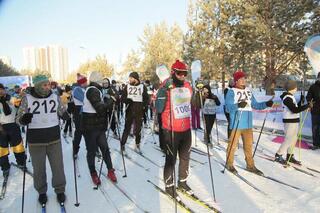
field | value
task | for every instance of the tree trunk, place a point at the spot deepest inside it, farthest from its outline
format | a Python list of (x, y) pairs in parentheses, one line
[(270, 79)]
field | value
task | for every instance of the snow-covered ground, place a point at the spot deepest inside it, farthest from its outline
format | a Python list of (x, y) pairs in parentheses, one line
[(232, 194)]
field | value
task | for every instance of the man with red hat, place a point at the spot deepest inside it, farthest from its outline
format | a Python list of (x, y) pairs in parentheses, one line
[(78, 96), (239, 103), (174, 104)]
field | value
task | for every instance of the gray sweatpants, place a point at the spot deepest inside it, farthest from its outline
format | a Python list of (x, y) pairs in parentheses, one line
[(290, 138), (38, 157)]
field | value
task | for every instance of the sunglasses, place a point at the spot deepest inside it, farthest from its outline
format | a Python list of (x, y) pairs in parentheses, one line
[(181, 73)]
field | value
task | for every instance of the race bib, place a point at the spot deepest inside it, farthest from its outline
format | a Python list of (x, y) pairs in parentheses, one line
[(44, 111), (181, 98), (243, 95), (135, 92), (209, 107)]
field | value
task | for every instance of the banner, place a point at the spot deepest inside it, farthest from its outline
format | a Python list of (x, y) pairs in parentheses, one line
[(11, 81)]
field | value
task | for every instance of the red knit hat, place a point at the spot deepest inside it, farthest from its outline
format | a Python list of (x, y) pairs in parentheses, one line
[(238, 74), (179, 66), (81, 79)]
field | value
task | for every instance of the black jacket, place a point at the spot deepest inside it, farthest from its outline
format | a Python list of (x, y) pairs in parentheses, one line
[(98, 120), (292, 107), (135, 107), (314, 94)]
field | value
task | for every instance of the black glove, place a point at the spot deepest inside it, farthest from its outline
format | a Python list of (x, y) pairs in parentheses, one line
[(129, 101), (302, 99), (269, 103), (242, 104), (65, 116), (26, 118), (3, 99)]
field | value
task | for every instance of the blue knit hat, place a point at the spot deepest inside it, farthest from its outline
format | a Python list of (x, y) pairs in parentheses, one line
[(39, 79)]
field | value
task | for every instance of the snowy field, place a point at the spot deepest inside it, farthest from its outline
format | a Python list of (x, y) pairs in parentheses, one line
[(232, 194)]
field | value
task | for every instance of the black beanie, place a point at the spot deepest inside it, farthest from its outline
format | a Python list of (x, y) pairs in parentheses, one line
[(1, 86), (134, 75)]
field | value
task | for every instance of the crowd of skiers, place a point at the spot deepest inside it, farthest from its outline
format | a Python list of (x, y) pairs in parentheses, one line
[(94, 105)]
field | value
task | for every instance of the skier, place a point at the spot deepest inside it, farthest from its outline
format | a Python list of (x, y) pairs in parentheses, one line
[(107, 93), (78, 96), (313, 94), (9, 134), (210, 102), (135, 97), (239, 103), (195, 112), (65, 99), (94, 124), (40, 111), (149, 107), (174, 104), (291, 119)]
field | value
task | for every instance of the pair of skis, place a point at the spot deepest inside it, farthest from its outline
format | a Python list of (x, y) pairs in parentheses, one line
[(296, 167), (62, 208), (181, 204)]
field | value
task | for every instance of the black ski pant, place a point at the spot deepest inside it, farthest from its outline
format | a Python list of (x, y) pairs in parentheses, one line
[(315, 129), (228, 120), (178, 143), (209, 120), (161, 143), (77, 133), (135, 118), (67, 126), (94, 139), (10, 135)]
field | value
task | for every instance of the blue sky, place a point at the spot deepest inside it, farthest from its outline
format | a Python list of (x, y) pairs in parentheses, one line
[(101, 26)]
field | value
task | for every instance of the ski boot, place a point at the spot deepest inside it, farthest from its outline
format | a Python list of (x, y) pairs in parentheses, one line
[(172, 193), (293, 160), (43, 198), (231, 169), (70, 134), (61, 197), (255, 170), (95, 179), (278, 158), (182, 185), (112, 175)]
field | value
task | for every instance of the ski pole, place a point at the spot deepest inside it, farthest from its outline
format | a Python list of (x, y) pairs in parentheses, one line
[(173, 155), (233, 139), (205, 133), (75, 182), (264, 121), (24, 171)]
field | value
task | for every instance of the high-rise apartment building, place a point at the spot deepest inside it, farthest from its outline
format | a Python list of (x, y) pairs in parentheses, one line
[(6, 60), (52, 58)]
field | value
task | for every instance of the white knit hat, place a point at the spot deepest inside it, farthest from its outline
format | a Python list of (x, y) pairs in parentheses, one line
[(95, 76)]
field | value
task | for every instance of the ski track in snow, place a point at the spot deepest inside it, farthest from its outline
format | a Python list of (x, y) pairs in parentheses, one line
[(232, 194)]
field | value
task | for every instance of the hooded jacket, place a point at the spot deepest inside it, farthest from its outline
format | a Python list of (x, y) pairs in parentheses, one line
[(314, 94)]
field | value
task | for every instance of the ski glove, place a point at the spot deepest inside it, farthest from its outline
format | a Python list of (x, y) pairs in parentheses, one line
[(65, 116), (129, 101), (242, 104), (269, 103), (26, 118)]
